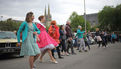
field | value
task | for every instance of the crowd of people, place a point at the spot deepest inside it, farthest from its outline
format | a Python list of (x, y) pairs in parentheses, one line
[(104, 37), (36, 40)]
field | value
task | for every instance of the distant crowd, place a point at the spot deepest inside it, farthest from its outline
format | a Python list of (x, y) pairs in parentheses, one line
[(36, 40)]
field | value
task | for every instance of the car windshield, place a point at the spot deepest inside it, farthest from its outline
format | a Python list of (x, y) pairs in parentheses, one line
[(7, 35)]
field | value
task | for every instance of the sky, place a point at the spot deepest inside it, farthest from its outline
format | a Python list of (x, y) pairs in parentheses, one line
[(59, 9)]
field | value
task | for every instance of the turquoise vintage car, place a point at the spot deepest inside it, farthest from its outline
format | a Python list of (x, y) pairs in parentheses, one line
[(8, 43)]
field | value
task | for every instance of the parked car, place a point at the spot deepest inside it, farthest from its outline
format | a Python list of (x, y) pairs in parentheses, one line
[(8, 43)]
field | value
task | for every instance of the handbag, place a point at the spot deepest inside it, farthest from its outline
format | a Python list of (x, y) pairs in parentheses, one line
[(99, 38)]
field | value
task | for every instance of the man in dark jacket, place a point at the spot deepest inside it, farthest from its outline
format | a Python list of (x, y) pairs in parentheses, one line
[(69, 38), (103, 39)]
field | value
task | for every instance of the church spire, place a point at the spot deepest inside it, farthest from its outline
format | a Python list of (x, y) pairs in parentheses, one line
[(48, 10), (45, 11)]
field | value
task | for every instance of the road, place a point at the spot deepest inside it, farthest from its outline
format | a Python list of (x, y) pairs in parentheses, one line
[(96, 58)]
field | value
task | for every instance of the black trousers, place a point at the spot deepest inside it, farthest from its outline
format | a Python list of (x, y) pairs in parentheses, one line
[(63, 45), (113, 40), (99, 42), (102, 42), (58, 51), (70, 45), (87, 44)]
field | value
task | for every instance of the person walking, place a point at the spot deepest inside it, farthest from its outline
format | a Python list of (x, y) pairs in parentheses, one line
[(106, 37), (119, 37), (103, 39), (69, 38), (63, 40), (98, 38), (46, 43), (86, 40), (81, 42), (29, 36), (54, 33), (113, 37)]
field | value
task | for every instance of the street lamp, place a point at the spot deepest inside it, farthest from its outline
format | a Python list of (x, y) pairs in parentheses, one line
[(1, 18), (85, 14)]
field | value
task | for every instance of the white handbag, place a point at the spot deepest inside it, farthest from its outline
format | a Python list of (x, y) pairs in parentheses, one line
[(99, 38)]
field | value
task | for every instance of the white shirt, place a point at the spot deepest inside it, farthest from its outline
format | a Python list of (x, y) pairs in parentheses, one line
[(42, 24)]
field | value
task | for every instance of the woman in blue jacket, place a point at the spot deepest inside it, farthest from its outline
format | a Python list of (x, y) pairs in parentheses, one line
[(29, 34), (81, 42)]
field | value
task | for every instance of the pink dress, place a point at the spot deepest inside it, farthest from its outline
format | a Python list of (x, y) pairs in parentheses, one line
[(46, 41)]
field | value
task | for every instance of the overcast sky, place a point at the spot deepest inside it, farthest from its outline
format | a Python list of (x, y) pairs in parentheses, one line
[(60, 9)]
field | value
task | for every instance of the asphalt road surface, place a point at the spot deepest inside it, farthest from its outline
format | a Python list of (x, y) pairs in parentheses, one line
[(96, 58)]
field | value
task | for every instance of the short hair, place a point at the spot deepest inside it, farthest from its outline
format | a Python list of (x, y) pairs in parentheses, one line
[(53, 22), (40, 17), (97, 29), (79, 26), (29, 16), (61, 27), (68, 22)]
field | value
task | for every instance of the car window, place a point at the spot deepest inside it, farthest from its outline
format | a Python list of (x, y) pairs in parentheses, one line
[(7, 35)]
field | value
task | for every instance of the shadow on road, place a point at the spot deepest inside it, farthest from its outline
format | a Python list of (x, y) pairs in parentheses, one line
[(8, 57)]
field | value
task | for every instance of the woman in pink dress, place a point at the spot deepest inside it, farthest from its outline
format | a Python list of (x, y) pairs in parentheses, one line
[(45, 43)]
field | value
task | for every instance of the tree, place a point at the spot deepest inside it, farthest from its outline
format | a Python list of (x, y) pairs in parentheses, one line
[(77, 20), (93, 29), (118, 16), (110, 18), (9, 25)]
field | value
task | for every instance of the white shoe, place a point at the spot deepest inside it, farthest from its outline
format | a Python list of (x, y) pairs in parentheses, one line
[(34, 66), (67, 54), (54, 62)]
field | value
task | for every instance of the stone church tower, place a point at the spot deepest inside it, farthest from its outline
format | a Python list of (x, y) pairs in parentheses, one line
[(47, 16)]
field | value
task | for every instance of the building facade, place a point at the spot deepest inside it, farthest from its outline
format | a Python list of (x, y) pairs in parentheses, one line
[(92, 18)]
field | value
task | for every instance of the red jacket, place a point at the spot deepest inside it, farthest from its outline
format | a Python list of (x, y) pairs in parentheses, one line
[(53, 31)]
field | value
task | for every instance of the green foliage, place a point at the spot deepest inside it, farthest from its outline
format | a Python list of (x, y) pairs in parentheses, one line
[(77, 20), (9, 25), (47, 27), (110, 18), (93, 29)]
